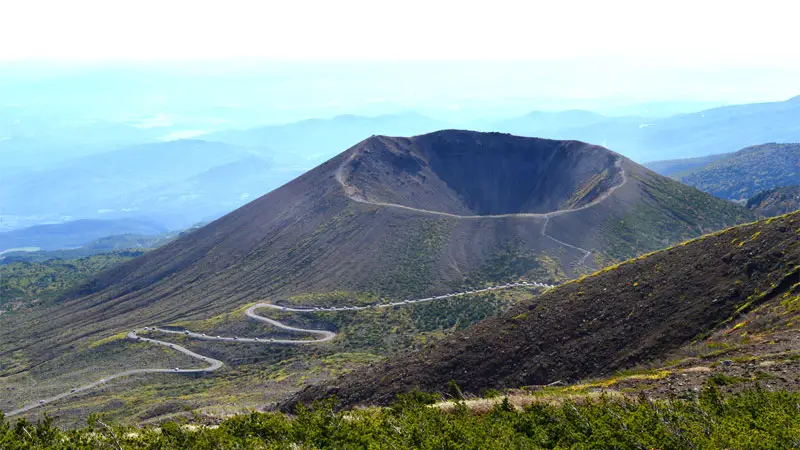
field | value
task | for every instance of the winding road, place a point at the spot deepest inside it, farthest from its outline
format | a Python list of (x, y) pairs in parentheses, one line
[(324, 335), (215, 364)]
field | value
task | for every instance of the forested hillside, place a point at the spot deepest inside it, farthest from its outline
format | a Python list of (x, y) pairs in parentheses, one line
[(748, 171), (24, 284), (773, 202)]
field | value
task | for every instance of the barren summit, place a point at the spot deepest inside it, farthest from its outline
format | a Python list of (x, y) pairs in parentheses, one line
[(474, 174)]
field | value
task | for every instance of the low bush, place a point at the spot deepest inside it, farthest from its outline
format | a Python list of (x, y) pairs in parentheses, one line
[(753, 419)]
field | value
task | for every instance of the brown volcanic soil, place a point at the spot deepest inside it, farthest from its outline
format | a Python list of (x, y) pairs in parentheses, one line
[(309, 236), (620, 317), (459, 172)]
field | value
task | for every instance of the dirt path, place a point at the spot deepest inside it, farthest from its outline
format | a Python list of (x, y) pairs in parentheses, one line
[(215, 364), (352, 194)]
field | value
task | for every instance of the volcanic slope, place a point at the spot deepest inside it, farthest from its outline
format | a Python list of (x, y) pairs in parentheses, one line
[(394, 217), (625, 315)]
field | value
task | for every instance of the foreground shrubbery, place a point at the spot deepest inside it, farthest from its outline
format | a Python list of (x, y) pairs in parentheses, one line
[(755, 419)]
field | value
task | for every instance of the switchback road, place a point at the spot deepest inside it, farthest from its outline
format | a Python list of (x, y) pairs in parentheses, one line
[(215, 364)]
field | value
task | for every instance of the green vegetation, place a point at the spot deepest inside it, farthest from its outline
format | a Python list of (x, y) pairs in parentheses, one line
[(415, 257), (585, 189), (753, 419), (513, 260), (748, 171), (679, 213), (377, 331), (23, 284), (773, 202), (784, 191), (720, 379), (254, 374)]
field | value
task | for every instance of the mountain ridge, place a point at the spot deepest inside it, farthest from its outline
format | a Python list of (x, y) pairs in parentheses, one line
[(632, 313), (744, 173), (75, 233), (712, 131), (104, 185), (776, 201)]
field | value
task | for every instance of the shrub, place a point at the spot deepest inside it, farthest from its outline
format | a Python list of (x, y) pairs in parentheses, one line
[(752, 419)]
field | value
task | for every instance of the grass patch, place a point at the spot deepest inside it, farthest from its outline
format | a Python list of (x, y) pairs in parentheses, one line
[(116, 337)]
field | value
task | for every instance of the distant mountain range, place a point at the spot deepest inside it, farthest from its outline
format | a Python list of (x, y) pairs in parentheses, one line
[(543, 123), (713, 131), (312, 141), (179, 183), (175, 183), (74, 234), (129, 242), (674, 167), (206, 195), (740, 175)]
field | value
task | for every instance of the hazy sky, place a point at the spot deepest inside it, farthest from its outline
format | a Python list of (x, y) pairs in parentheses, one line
[(417, 52), (666, 33)]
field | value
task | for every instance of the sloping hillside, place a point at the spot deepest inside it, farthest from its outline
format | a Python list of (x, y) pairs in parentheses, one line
[(748, 171), (776, 201), (310, 235), (350, 225), (675, 167), (622, 316)]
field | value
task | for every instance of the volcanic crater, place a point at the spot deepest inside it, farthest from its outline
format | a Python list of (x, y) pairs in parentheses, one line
[(460, 173)]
